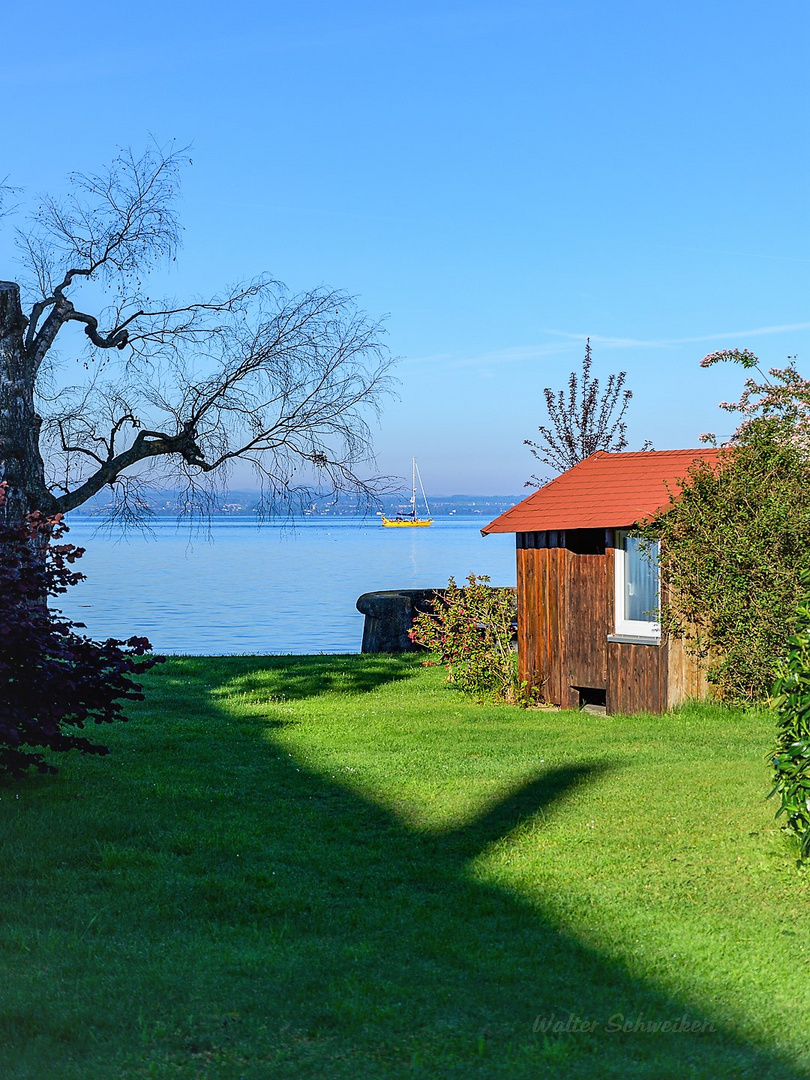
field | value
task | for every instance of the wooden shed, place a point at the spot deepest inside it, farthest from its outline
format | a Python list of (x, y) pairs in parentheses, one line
[(587, 597)]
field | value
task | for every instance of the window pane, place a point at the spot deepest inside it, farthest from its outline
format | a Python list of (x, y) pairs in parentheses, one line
[(640, 581)]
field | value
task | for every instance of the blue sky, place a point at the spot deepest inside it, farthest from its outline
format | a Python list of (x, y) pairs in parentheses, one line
[(501, 181)]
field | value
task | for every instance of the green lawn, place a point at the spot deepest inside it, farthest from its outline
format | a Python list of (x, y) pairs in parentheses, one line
[(336, 867)]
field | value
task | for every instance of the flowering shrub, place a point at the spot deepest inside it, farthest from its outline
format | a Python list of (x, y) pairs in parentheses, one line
[(52, 678), (737, 356), (469, 631), (782, 396), (736, 539)]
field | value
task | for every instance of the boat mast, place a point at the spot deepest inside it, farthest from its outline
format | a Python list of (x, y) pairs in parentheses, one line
[(422, 486), (413, 488)]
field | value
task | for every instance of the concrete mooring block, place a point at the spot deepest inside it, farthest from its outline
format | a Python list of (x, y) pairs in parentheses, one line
[(389, 617)]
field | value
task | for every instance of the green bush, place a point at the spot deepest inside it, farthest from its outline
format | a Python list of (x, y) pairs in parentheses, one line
[(791, 756), (469, 630), (734, 542)]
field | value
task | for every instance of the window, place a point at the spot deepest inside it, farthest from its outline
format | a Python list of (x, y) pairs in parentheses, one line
[(638, 592)]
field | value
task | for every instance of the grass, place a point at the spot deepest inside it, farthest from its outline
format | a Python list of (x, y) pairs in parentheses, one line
[(336, 867)]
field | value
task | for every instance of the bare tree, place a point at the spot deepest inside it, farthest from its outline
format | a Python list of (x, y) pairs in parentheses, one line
[(170, 392), (582, 420)]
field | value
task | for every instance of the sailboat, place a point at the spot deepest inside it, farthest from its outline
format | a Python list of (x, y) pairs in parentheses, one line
[(410, 521)]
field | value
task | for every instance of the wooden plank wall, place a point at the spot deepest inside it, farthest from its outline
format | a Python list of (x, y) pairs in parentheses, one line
[(541, 606), (565, 614), (686, 676), (637, 678)]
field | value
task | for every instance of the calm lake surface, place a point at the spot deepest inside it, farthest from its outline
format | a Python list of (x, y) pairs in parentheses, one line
[(244, 588)]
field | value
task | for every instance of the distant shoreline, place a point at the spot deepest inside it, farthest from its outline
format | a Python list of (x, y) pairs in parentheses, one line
[(440, 507), (279, 518)]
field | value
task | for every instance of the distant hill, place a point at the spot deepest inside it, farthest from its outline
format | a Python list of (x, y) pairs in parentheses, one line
[(238, 503)]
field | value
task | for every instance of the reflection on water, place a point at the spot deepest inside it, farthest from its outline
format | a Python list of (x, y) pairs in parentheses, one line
[(266, 589)]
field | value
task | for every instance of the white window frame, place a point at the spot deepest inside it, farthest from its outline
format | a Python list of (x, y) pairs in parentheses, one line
[(644, 629)]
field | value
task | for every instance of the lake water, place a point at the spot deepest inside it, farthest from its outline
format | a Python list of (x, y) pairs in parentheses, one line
[(266, 589)]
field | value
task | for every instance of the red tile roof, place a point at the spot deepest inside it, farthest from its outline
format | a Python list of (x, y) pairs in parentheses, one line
[(604, 491)]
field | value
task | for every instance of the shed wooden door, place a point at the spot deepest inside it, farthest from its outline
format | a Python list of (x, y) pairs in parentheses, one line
[(564, 612), (587, 621)]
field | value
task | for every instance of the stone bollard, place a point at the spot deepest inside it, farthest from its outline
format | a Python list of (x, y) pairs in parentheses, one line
[(389, 617)]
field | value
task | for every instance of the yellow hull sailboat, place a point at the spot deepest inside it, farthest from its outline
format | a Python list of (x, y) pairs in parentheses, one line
[(411, 521)]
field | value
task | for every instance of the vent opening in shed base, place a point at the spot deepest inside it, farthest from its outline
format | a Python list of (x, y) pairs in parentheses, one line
[(591, 700)]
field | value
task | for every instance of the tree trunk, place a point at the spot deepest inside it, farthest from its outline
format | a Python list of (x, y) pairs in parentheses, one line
[(21, 464)]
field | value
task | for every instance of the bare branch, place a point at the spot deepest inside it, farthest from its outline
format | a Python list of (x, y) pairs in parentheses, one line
[(7, 193), (286, 383), (112, 227), (120, 222), (147, 444)]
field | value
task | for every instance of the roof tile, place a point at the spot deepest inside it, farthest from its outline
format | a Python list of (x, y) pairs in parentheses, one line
[(603, 491)]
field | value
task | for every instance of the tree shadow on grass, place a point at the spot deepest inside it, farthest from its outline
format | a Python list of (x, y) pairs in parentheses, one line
[(306, 931), (397, 959)]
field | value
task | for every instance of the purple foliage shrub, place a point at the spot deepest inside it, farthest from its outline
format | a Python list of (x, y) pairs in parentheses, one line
[(53, 679)]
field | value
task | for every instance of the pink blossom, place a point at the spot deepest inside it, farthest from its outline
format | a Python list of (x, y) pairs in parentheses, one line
[(737, 356)]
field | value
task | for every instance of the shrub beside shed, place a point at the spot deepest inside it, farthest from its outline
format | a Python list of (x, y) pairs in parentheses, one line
[(588, 597)]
